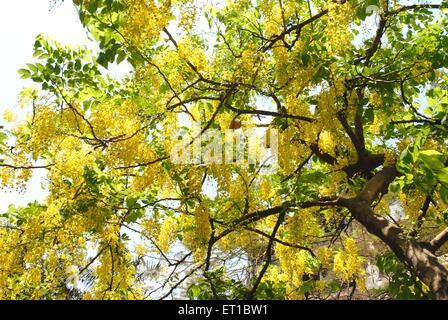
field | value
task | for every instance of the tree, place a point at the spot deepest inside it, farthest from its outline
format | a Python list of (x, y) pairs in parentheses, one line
[(352, 95)]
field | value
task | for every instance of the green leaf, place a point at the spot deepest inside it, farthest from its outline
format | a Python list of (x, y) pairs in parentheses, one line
[(444, 194), (92, 6), (368, 115), (395, 187), (433, 159), (102, 60), (121, 56), (405, 160), (24, 73), (442, 175), (133, 216), (32, 67), (78, 65)]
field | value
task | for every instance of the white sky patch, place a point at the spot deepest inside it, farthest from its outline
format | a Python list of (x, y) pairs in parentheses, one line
[(21, 21)]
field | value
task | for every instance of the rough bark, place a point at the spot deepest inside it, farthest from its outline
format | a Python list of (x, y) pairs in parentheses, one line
[(418, 256), (428, 268)]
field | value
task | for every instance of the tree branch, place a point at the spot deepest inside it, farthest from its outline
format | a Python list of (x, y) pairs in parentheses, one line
[(26, 167), (264, 234), (378, 184), (268, 255), (415, 7), (270, 114), (376, 42), (357, 142), (298, 27), (439, 240)]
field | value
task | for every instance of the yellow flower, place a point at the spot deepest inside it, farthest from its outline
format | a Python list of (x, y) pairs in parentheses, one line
[(203, 227), (347, 263), (141, 250), (167, 234), (337, 29), (390, 158), (326, 142), (376, 99), (9, 116)]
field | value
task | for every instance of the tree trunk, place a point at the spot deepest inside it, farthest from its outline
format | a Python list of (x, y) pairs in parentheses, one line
[(418, 256), (428, 268)]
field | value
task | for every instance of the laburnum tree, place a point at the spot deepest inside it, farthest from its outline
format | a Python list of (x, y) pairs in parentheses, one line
[(357, 91)]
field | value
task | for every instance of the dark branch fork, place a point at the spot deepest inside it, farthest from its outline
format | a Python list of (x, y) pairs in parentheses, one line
[(417, 255), (269, 253)]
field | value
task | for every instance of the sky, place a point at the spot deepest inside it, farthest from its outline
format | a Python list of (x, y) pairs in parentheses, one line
[(20, 22)]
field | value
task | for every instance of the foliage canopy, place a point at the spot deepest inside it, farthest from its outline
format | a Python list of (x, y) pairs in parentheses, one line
[(358, 92)]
